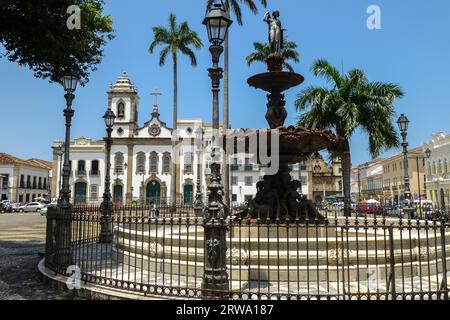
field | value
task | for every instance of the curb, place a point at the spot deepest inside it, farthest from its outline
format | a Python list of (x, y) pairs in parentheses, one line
[(91, 291)]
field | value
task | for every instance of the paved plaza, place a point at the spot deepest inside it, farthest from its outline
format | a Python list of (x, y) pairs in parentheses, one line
[(22, 241)]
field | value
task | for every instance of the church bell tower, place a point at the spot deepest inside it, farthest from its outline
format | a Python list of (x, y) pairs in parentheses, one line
[(123, 100)]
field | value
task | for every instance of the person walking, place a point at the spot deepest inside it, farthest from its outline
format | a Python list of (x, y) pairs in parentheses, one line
[(152, 213)]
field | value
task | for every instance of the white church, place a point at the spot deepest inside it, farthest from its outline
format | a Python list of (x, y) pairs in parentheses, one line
[(141, 159)]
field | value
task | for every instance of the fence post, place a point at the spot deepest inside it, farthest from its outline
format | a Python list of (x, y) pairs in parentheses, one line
[(444, 286), (215, 282), (50, 236), (391, 282)]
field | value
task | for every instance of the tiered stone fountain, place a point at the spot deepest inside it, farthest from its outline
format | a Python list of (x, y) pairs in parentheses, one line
[(278, 195)]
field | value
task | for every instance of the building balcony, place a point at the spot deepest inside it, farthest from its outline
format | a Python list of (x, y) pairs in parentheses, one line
[(234, 167), (94, 173), (248, 167), (81, 173), (118, 171)]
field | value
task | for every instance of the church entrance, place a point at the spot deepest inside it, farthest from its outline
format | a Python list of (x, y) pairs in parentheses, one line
[(153, 192), (80, 192), (118, 194), (188, 194)]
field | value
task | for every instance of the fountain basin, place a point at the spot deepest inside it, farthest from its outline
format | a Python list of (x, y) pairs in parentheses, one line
[(294, 142), (277, 81)]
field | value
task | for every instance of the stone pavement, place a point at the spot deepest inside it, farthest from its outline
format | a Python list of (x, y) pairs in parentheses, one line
[(22, 240)]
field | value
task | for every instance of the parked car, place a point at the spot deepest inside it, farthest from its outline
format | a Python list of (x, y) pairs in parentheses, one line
[(365, 209), (15, 207), (338, 205), (32, 207), (5, 206), (43, 211)]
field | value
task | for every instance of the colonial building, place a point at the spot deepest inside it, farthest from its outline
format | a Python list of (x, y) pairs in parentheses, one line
[(368, 181), (393, 176), (383, 179), (438, 169), (141, 158), (23, 180), (325, 179)]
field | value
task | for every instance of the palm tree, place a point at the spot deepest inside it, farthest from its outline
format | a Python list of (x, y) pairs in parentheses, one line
[(176, 38), (235, 7), (348, 103), (262, 51)]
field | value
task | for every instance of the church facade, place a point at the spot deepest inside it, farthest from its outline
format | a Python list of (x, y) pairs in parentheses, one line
[(142, 157)]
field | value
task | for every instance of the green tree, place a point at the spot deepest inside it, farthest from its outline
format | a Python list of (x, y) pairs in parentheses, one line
[(35, 34), (176, 38), (350, 102), (262, 51)]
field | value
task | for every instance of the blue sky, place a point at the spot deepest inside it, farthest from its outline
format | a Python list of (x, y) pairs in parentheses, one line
[(412, 49)]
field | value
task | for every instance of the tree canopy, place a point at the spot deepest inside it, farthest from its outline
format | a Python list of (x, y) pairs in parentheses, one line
[(350, 102), (235, 7), (178, 37), (35, 34), (262, 51)]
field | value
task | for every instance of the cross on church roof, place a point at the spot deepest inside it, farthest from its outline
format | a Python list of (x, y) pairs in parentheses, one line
[(156, 94)]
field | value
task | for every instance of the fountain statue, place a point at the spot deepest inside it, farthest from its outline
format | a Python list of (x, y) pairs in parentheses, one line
[(275, 32), (277, 195)]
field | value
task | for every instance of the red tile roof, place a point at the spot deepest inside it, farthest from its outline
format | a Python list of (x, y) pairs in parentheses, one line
[(36, 163)]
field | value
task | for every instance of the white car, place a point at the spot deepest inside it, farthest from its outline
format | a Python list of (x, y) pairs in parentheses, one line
[(33, 207)]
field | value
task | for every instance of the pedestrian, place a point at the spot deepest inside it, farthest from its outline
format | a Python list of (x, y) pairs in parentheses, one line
[(152, 210)]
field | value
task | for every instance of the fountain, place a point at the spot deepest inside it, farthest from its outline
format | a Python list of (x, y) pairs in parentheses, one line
[(277, 195)]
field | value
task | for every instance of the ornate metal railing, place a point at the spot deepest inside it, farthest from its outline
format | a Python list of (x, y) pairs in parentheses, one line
[(376, 257)]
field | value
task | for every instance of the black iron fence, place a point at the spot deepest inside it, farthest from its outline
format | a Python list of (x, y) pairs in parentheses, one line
[(375, 256)]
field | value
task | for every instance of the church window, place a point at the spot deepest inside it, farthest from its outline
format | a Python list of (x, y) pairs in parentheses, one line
[(94, 167), (166, 163), (140, 161), (81, 169), (121, 110), (188, 161), (118, 163), (154, 162), (94, 192)]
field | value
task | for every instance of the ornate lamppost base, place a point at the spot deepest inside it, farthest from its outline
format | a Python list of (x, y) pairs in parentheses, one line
[(215, 286), (106, 235)]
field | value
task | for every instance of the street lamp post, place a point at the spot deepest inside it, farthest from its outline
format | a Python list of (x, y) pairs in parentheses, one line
[(428, 155), (60, 153), (418, 184), (403, 124), (107, 205), (198, 203), (359, 184), (215, 279), (63, 225), (70, 81)]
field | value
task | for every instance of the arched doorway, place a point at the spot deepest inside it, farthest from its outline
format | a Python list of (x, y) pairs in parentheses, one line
[(188, 194), (118, 194), (153, 192), (80, 192)]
